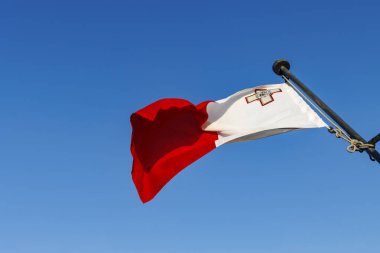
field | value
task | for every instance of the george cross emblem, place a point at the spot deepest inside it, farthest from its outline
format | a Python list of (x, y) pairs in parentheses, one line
[(263, 95)]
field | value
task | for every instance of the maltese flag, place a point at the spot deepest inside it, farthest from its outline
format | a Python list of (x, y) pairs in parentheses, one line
[(170, 134)]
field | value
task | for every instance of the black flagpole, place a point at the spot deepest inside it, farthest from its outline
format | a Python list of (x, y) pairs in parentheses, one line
[(281, 67)]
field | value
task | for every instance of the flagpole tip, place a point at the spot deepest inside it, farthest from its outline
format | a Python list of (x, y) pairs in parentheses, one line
[(278, 64)]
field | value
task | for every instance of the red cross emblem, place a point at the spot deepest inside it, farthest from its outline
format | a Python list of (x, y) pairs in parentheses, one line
[(263, 95)]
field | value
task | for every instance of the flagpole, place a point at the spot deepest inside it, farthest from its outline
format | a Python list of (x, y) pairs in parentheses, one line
[(281, 67)]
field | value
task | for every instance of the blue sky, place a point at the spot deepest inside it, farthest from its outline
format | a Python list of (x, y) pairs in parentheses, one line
[(72, 72)]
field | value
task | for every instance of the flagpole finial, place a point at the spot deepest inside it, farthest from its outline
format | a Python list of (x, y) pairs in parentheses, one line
[(278, 64)]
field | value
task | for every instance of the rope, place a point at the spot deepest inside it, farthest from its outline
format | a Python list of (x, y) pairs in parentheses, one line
[(355, 145), (358, 146)]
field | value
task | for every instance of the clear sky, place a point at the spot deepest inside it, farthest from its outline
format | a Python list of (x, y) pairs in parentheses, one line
[(72, 72)]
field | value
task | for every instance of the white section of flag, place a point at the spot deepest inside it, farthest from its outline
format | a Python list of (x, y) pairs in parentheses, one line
[(259, 112)]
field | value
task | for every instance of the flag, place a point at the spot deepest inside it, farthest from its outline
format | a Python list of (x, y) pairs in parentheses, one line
[(170, 134)]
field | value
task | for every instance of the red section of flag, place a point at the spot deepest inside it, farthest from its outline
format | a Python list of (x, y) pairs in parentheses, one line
[(167, 136)]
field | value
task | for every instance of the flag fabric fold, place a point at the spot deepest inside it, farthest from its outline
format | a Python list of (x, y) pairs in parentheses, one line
[(170, 134)]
